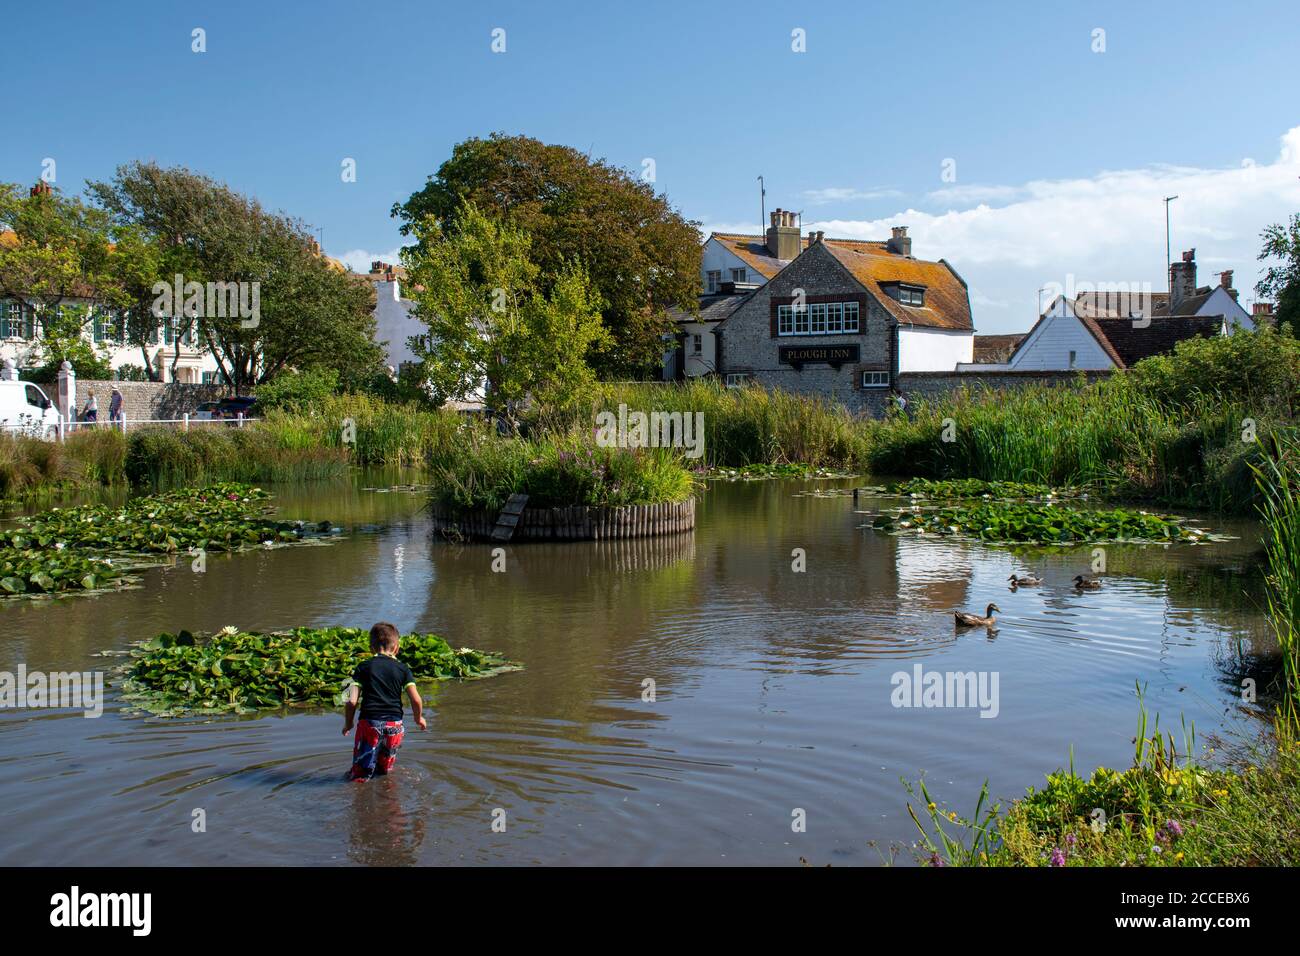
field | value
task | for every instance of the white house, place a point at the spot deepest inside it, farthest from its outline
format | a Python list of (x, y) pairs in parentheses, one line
[(1108, 329), (921, 295)]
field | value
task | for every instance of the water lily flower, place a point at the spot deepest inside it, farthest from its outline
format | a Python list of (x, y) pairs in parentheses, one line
[(229, 630)]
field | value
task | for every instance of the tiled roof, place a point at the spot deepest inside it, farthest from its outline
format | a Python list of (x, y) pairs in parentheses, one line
[(753, 251), (1117, 305), (947, 303), (713, 308), (1132, 343), (996, 348)]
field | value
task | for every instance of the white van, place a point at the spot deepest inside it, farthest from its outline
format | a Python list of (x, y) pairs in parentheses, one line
[(26, 409)]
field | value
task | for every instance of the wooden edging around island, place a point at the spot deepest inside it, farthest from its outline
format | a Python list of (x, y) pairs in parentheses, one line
[(574, 523)]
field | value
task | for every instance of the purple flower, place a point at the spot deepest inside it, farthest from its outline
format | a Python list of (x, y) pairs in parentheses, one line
[(1071, 840), (1175, 828), (937, 860), (1058, 857)]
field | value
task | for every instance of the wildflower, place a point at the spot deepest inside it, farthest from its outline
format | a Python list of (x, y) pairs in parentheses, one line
[(1178, 856), (1175, 829), (952, 816), (1058, 857), (1071, 840), (929, 806), (1156, 849), (937, 860), (230, 630)]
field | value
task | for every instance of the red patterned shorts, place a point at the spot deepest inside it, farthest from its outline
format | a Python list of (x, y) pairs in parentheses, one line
[(374, 749)]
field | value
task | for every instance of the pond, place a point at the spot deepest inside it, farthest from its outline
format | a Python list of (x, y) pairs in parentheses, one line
[(772, 690)]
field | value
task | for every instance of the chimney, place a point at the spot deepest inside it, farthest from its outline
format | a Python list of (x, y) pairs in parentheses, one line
[(783, 239), (1225, 280), (42, 188), (899, 243), (1182, 280), (1262, 313)]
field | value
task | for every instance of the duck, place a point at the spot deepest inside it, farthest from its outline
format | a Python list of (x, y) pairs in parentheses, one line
[(1024, 582), (967, 619), (1085, 584)]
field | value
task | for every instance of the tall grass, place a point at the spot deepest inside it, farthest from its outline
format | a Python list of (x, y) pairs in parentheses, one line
[(1279, 509), (742, 426), (164, 458), (373, 432), (31, 466)]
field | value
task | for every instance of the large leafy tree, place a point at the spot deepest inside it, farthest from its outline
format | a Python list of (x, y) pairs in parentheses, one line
[(642, 256), (493, 322), (57, 259), (1281, 281), (312, 314)]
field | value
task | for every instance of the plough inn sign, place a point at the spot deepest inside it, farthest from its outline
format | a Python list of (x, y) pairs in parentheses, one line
[(832, 355)]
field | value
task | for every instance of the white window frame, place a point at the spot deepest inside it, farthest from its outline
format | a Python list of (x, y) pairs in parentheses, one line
[(784, 320), (834, 318), (738, 379), (738, 275), (874, 379), (817, 318), (713, 278), (851, 309), (697, 343)]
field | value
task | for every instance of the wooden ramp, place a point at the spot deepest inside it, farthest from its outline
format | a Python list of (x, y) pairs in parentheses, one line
[(508, 519)]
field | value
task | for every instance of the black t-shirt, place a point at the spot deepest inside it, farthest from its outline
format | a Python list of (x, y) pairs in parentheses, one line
[(383, 681)]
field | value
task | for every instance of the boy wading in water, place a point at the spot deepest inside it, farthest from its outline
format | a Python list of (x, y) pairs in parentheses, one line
[(380, 682)]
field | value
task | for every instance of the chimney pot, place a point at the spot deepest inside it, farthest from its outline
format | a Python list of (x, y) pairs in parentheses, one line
[(1189, 255), (899, 243), (1225, 278)]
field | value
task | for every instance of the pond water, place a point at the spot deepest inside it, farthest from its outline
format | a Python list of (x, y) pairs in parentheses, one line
[(772, 691)]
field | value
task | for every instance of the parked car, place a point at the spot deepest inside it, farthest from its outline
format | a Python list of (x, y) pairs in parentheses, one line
[(25, 408), (207, 411), (234, 407)]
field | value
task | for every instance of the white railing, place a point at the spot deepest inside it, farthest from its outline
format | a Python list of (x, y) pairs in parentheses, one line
[(184, 423)]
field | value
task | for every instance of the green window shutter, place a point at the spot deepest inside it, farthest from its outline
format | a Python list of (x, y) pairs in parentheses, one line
[(4, 320), (99, 326)]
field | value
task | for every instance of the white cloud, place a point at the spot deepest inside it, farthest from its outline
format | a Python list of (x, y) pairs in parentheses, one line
[(974, 194), (358, 260), (819, 197), (1106, 228)]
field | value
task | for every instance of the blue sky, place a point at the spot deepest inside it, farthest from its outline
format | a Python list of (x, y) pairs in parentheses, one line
[(1061, 153)]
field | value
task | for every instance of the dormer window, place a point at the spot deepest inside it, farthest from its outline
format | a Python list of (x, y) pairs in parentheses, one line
[(738, 275), (913, 295)]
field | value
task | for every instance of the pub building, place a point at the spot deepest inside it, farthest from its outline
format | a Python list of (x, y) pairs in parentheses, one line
[(840, 318)]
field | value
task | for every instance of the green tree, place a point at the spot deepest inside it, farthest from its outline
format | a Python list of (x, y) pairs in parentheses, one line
[(58, 260), (1281, 281), (642, 256), (311, 312), (491, 319)]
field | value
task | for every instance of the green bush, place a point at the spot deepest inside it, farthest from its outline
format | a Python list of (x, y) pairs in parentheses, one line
[(298, 390)]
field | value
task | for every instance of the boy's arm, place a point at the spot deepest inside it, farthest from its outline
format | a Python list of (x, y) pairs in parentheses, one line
[(350, 708), (417, 706)]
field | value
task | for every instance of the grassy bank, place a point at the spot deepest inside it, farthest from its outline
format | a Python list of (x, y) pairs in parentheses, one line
[(1168, 808), (557, 472)]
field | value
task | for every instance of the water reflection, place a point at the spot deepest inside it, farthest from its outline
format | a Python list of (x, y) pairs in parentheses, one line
[(771, 690)]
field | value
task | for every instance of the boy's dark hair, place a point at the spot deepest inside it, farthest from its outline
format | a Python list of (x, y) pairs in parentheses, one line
[(383, 637)]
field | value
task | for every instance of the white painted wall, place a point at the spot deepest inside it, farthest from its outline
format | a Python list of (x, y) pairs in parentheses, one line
[(394, 323), (190, 366), (717, 257), (1049, 344), (1220, 303), (933, 350)]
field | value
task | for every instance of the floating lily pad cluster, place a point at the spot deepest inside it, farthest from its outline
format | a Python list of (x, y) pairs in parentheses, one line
[(1004, 521), (95, 546), (762, 471), (956, 488), (239, 671)]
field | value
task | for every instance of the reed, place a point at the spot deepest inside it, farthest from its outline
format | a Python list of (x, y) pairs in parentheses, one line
[(1278, 477)]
